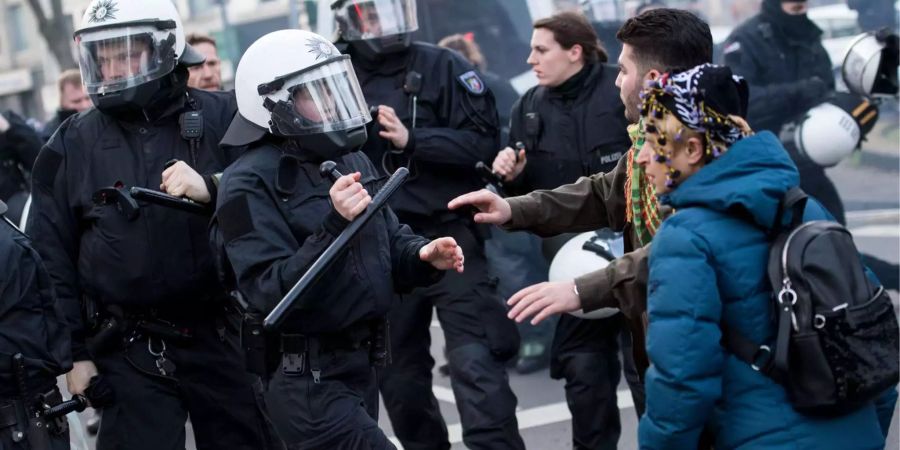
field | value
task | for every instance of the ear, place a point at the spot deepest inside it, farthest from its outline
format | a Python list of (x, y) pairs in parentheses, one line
[(695, 151), (575, 53), (652, 75)]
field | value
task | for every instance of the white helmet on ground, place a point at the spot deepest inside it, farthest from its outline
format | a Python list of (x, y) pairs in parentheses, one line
[(585, 253), (125, 44), (295, 84)]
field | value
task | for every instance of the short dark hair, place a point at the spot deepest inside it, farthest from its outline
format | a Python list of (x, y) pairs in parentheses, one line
[(197, 38), (667, 40), (572, 28)]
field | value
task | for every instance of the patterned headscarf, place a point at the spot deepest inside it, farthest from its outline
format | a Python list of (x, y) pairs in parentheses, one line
[(707, 99)]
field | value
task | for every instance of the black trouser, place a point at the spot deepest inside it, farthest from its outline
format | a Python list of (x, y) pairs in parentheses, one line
[(816, 183), (14, 420), (479, 340), (209, 384), (586, 354), (339, 412), (515, 259)]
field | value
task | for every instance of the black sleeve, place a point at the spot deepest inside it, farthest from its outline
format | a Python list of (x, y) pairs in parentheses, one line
[(53, 225), (471, 127), (409, 271), (771, 102), (24, 141), (266, 258)]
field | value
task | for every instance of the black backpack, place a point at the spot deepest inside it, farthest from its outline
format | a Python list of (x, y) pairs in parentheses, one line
[(837, 342)]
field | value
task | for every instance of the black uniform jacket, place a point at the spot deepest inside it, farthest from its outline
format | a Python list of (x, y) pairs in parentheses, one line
[(575, 130), (162, 257), (778, 68), (19, 146), (456, 124), (31, 322), (274, 219)]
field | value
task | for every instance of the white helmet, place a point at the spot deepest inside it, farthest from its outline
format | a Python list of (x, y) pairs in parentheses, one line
[(585, 253), (125, 44), (831, 131), (296, 84), (870, 65), (376, 27)]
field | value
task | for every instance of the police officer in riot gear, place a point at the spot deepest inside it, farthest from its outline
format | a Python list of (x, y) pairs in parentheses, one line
[(276, 214), (136, 281), (780, 53), (435, 116), (28, 309), (573, 125)]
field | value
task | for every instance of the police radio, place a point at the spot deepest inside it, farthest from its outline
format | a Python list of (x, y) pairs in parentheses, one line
[(412, 85)]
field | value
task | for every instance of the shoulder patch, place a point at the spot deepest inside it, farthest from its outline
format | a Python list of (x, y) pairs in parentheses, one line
[(472, 82), (234, 218), (45, 167)]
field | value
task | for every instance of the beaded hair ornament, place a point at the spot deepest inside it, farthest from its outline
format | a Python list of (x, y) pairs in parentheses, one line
[(684, 94)]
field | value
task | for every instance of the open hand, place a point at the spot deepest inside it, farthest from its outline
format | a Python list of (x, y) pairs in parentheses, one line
[(444, 254), (493, 208), (543, 300)]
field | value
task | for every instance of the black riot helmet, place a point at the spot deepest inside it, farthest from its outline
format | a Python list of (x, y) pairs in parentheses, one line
[(375, 28)]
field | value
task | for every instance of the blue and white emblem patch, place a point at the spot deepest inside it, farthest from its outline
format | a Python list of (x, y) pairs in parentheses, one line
[(472, 82)]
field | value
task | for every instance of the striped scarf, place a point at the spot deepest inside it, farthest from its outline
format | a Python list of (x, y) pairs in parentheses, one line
[(641, 205)]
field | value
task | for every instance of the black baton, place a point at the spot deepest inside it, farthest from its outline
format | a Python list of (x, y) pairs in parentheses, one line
[(170, 201), (324, 261)]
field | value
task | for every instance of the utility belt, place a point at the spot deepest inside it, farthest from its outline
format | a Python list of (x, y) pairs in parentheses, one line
[(34, 420), (112, 327), (298, 354)]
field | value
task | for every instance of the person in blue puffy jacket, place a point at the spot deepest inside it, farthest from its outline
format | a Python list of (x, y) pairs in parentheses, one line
[(708, 266)]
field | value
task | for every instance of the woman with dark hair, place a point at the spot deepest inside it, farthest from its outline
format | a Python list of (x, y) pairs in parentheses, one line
[(572, 125)]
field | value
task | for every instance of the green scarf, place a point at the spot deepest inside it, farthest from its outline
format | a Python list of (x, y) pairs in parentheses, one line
[(641, 205)]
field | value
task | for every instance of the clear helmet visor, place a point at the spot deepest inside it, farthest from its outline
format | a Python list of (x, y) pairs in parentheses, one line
[(116, 59), (319, 100), (371, 19)]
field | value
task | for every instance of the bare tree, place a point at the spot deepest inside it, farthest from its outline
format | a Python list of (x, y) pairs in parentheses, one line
[(57, 31)]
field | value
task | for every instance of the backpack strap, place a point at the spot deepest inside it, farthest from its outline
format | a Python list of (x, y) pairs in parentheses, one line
[(794, 200), (758, 357)]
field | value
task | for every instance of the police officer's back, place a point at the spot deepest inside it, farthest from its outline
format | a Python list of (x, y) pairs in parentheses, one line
[(32, 326), (436, 116), (137, 281)]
